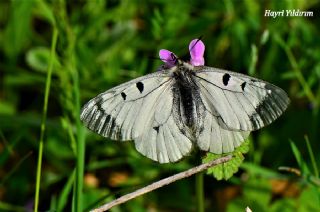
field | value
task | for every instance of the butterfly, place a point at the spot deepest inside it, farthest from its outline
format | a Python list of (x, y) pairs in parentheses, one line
[(184, 104)]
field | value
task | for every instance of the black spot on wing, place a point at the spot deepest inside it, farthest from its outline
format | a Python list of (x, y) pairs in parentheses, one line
[(140, 86), (124, 96), (225, 79), (156, 129), (243, 85)]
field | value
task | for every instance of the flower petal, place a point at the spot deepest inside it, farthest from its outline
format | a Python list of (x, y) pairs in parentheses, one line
[(196, 48), (168, 57)]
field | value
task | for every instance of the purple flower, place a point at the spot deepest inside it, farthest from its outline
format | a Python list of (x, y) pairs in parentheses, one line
[(168, 57), (196, 48)]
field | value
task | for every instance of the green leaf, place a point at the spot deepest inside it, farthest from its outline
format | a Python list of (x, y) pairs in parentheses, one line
[(42, 9), (63, 198), (284, 205), (226, 170), (302, 164), (309, 199), (313, 160), (7, 108), (38, 59), (254, 59), (254, 169), (17, 32), (265, 37)]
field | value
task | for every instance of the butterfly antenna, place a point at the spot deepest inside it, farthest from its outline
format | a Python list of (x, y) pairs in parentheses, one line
[(154, 58)]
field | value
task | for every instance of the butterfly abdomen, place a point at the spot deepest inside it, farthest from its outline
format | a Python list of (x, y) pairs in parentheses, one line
[(186, 100), (187, 105)]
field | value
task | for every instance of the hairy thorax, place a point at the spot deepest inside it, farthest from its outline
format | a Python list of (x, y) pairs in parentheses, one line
[(187, 102)]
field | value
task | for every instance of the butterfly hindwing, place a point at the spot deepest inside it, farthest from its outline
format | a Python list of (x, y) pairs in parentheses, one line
[(217, 138), (161, 139), (163, 143), (242, 102)]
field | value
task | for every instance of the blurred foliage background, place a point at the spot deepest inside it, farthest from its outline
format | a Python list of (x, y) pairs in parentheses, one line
[(98, 44)]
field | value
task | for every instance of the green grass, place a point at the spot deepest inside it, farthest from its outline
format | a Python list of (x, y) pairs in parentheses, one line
[(44, 116), (56, 55)]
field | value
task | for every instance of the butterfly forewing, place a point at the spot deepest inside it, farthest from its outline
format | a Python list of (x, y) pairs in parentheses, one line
[(116, 113), (242, 102)]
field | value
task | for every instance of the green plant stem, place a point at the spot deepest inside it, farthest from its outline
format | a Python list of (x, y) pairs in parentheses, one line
[(80, 147), (78, 199), (199, 192), (70, 66), (63, 198), (313, 161), (44, 116)]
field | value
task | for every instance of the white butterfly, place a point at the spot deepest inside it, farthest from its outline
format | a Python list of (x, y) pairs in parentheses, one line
[(183, 104)]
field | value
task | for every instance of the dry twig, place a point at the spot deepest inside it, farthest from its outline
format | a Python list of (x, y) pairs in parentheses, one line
[(162, 183)]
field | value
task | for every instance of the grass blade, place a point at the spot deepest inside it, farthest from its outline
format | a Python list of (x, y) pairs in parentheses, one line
[(313, 161), (44, 116)]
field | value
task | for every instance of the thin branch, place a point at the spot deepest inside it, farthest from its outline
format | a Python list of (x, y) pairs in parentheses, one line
[(162, 183)]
